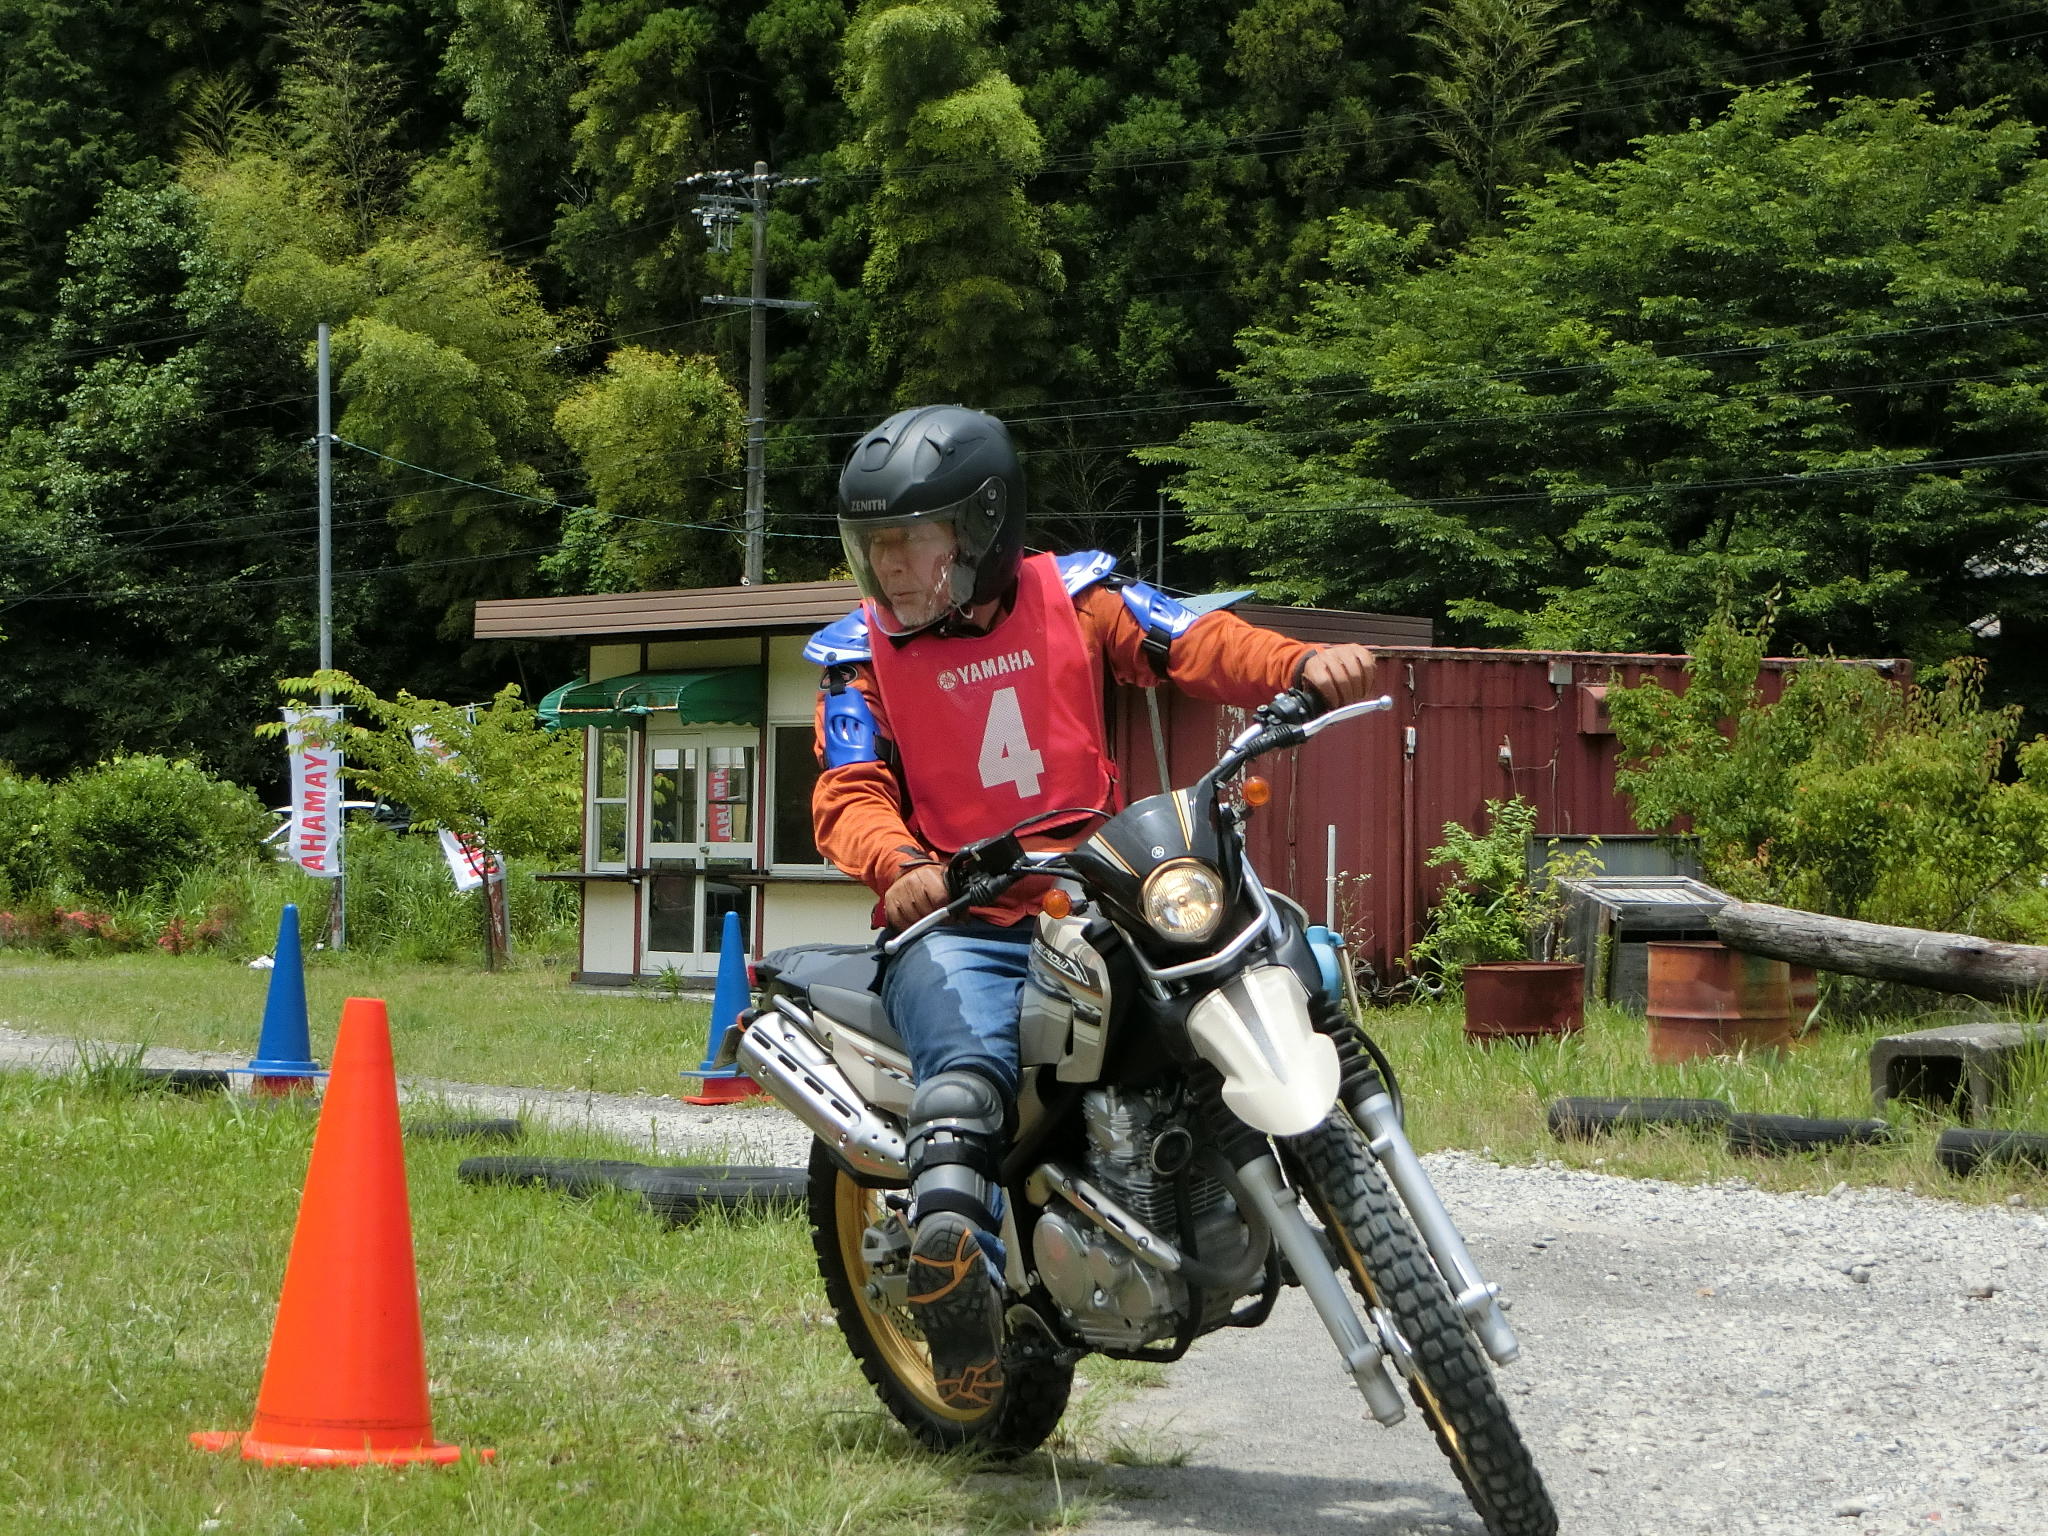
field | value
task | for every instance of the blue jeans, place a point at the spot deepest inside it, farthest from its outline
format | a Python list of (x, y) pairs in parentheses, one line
[(954, 997)]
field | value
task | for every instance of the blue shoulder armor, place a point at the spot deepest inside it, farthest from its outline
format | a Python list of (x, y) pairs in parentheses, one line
[(1161, 618), (1156, 613), (850, 733), (841, 641), (1081, 570)]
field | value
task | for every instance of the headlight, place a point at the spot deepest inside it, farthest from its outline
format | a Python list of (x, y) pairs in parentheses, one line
[(1183, 899)]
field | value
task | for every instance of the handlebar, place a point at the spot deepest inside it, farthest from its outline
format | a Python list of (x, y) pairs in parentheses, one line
[(977, 876), (975, 890), (1288, 721)]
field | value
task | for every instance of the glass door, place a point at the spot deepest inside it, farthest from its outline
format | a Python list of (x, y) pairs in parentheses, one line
[(702, 793)]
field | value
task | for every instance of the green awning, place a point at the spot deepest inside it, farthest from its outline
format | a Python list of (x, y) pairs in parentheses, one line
[(725, 696)]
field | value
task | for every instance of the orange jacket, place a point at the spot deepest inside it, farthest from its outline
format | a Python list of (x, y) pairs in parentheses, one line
[(857, 808)]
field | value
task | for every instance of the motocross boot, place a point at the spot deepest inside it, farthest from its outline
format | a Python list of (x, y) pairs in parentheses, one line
[(955, 1144)]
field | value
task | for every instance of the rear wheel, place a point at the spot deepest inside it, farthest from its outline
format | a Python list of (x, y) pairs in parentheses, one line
[(1449, 1378), (885, 1338)]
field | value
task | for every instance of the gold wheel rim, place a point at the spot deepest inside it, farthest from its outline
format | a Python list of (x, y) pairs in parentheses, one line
[(895, 1332)]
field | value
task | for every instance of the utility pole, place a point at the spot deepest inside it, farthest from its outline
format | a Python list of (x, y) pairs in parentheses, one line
[(326, 517), (719, 211), (337, 910)]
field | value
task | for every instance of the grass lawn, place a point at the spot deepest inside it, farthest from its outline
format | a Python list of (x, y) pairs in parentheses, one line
[(632, 1378), (523, 1027), (527, 1028)]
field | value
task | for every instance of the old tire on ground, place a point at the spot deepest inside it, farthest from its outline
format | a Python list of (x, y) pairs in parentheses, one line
[(885, 1339), (1772, 1135), (181, 1079), (1452, 1382), (678, 1195), (674, 1192), (571, 1175), (1595, 1117), (1963, 1151), (464, 1130)]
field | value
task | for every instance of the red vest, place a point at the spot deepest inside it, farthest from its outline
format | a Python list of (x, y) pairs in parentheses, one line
[(994, 728)]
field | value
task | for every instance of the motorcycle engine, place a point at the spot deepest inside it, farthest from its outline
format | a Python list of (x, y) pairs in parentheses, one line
[(1139, 1146)]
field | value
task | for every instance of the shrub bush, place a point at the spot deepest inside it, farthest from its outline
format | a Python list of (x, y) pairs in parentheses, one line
[(26, 861), (401, 904), (141, 824), (1493, 910), (1850, 794)]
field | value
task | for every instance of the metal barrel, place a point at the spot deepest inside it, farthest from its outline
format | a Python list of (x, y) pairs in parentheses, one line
[(1709, 1000)]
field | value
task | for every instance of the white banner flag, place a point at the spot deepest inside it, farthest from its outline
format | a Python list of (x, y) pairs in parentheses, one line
[(315, 840), (468, 862)]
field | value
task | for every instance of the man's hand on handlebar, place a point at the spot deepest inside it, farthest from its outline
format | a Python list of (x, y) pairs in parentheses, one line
[(1340, 674), (917, 892)]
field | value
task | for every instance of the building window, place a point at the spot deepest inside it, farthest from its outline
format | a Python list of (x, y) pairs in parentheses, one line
[(610, 773), (793, 768)]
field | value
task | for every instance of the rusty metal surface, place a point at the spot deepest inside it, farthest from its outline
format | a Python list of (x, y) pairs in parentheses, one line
[(1468, 726), (1524, 998), (1709, 1000)]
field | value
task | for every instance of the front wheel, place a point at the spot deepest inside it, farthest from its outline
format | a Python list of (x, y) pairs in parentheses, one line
[(1449, 1379), (886, 1340)]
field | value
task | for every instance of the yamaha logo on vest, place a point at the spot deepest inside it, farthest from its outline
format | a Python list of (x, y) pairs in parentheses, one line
[(984, 671)]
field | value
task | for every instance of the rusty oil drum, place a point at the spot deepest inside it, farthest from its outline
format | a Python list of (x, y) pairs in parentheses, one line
[(1524, 1000), (1709, 1000)]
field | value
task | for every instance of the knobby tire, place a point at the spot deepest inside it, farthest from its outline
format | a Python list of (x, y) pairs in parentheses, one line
[(1453, 1381)]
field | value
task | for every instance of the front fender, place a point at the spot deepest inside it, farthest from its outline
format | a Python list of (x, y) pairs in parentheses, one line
[(1279, 1075)]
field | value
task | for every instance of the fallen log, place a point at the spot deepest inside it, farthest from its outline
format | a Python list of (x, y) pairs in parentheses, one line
[(1942, 962)]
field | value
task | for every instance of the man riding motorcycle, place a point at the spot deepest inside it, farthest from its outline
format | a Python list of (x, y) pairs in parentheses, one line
[(964, 695)]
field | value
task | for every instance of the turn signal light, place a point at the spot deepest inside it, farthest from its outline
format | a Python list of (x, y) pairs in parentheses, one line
[(1057, 903), (1257, 791)]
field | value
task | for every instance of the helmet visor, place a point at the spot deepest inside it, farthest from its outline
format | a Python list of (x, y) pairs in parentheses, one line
[(918, 569)]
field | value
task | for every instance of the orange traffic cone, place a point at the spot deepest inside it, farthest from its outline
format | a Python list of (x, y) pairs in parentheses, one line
[(346, 1381)]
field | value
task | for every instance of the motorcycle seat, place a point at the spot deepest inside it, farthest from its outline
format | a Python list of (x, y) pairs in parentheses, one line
[(839, 978), (855, 967), (859, 1010)]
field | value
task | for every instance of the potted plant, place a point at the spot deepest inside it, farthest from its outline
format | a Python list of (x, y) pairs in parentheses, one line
[(1495, 916)]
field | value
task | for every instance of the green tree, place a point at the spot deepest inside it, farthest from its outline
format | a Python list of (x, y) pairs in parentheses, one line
[(1496, 90), (154, 536), (639, 125), (657, 438), (1778, 350), (500, 181), (957, 257), (489, 773), (341, 104)]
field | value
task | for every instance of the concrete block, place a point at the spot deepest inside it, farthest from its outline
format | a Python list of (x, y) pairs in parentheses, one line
[(1963, 1067)]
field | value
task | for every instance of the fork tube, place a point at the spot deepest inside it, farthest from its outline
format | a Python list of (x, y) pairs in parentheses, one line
[(1362, 1357), (1478, 1301)]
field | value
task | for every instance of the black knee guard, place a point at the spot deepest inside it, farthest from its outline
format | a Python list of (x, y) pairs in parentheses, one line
[(956, 1146)]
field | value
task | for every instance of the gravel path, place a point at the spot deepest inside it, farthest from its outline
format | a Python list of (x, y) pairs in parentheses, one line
[(1696, 1361)]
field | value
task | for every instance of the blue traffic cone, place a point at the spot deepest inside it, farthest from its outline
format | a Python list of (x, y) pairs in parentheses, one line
[(284, 1054), (725, 1085)]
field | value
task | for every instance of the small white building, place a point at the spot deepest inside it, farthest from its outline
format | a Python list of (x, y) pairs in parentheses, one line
[(696, 708)]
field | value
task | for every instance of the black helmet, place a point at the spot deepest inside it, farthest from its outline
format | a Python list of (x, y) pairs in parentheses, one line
[(934, 495)]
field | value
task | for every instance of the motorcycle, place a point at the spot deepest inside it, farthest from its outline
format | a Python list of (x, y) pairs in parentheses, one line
[(1192, 1079)]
